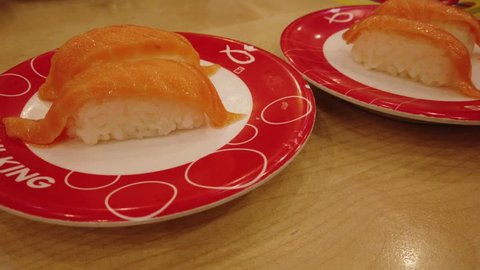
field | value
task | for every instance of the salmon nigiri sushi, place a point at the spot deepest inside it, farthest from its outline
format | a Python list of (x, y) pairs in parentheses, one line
[(119, 97), (457, 22), (113, 43), (412, 49), (131, 99)]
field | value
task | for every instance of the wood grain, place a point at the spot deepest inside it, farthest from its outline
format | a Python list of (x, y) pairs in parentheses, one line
[(366, 192)]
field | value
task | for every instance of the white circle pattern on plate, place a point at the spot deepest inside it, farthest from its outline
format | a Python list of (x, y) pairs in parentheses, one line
[(283, 106), (127, 204), (34, 69), (67, 182), (20, 92), (196, 183), (248, 139)]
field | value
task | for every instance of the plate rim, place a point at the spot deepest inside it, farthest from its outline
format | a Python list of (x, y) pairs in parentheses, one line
[(130, 223)]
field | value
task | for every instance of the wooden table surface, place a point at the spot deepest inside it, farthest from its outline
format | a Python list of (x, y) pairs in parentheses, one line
[(366, 192)]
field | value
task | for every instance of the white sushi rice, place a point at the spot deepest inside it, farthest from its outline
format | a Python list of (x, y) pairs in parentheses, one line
[(402, 56), (121, 119)]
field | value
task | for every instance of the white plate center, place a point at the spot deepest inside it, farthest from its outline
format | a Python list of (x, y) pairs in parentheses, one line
[(151, 154)]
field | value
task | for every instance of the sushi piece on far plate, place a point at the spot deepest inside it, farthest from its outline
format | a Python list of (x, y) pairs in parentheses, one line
[(412, 49), (461, 24)]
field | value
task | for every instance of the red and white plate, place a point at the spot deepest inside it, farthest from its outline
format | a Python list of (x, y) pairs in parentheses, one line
[(149, 180), (313, 44)]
